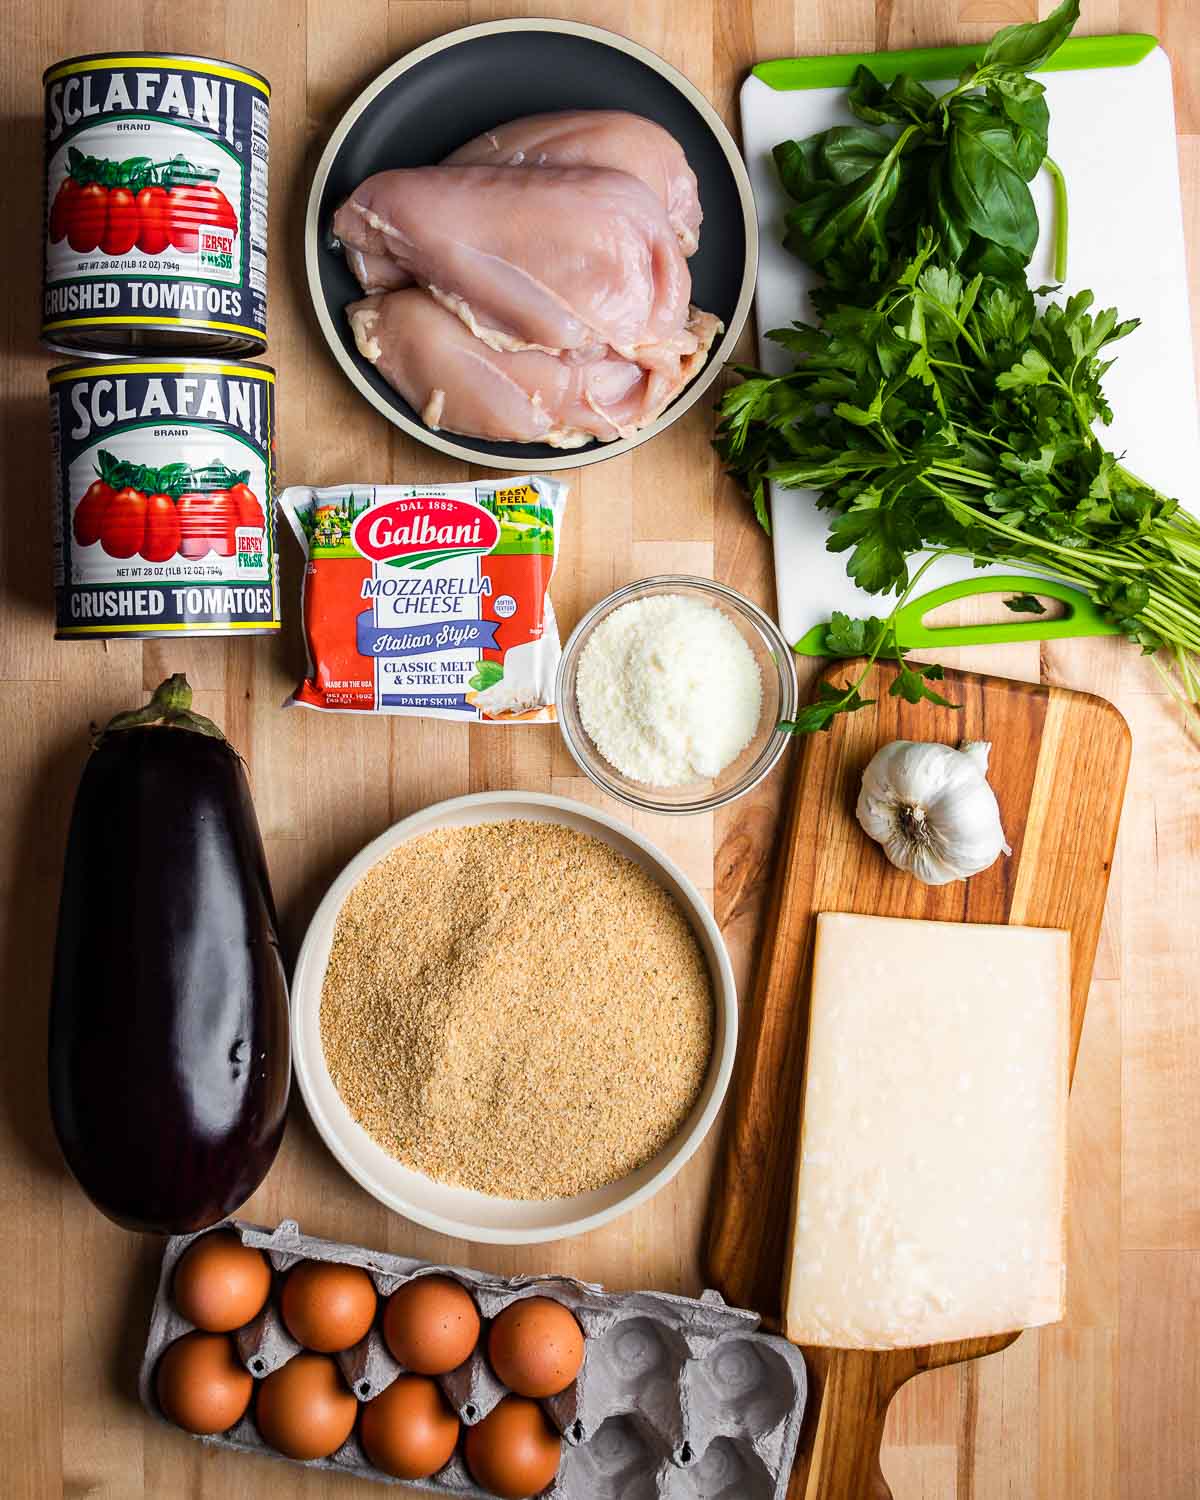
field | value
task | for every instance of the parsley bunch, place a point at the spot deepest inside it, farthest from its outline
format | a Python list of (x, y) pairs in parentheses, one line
[(937, 406)]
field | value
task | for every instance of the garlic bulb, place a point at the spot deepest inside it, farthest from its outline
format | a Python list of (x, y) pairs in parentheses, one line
[(932, 809)]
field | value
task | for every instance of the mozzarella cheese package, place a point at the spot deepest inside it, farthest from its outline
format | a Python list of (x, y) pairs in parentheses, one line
[(430, 600), (931, 1175)]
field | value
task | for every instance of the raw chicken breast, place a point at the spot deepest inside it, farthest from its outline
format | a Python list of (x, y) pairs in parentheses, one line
[(455, 381), (377, 273), (598, 138), (564, 258)]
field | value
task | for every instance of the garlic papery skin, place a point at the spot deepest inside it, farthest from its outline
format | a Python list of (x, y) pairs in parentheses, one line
[(932, 809)]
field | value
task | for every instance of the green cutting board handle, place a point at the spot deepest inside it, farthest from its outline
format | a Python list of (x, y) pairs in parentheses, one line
[(1081, 617), (837, 72)]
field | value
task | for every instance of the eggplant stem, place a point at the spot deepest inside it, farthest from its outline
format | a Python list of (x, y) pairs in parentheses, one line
[(170, 707)]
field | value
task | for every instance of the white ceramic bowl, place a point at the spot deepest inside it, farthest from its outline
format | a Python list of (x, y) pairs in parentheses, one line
[(458, 1211)]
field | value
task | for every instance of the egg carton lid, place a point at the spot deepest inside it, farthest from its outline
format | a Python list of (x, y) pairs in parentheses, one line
[(679, 1397)]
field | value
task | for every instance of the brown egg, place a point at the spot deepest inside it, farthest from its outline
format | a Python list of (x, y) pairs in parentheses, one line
[(409, 1430), (536, 1347), (431, 1325), (514, 1451), (304, 1408), (220, 1284), (327, 1306), (202, 1385)]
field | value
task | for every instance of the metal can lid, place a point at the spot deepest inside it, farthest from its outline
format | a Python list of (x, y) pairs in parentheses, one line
[(212, 64), (168, 364), (179, 341)]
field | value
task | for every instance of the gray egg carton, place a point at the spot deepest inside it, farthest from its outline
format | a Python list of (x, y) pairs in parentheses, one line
[(678, 1398)]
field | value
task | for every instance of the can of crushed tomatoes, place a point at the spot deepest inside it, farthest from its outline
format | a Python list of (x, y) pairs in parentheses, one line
[(155, 223), (164, 498)]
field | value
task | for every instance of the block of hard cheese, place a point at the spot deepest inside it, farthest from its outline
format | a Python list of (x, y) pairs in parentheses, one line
[(931, 1175)]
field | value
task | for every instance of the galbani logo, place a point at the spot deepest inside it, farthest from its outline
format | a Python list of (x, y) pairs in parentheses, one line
[(424, 530)]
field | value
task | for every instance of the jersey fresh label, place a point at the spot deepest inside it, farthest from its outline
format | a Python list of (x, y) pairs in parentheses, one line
[(156, 194), (164, 514), (431, 600)]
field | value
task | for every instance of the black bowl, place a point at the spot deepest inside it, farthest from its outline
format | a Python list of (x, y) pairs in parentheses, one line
[(452, 89)]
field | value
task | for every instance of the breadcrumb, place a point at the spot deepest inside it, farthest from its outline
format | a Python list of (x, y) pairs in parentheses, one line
[(516, 1008)]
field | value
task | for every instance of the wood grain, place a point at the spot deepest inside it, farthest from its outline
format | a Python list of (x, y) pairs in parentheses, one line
[(78, 1290), (1058, 766)]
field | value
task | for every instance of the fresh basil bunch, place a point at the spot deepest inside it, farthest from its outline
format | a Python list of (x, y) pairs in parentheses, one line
[(960, 165)]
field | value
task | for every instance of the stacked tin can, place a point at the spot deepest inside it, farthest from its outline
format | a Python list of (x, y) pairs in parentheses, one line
[(155, 280)]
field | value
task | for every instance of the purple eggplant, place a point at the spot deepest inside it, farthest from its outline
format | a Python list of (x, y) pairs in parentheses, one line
[(169, 1051)]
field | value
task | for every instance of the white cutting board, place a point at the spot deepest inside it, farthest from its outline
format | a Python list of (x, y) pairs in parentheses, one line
[(1112, 130)]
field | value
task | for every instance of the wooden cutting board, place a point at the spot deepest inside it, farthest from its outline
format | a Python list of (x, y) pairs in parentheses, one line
[(1058, 765)]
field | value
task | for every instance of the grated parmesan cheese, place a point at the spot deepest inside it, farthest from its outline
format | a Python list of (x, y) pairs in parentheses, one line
[(669, 690)]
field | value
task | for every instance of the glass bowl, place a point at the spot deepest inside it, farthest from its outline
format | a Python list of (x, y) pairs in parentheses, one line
[(779, 693)]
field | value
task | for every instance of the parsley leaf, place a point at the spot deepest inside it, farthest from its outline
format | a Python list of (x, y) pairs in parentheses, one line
[(1025, 604), (912, 684), (879, 539), (830, 702), (847, 637)]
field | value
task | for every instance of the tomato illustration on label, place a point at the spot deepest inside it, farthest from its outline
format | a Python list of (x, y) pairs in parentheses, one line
[(192, 208), (90, 511), (162, 529), (208, 523), (121, 226), (134, 509), (114, 206), (86, 217), (154, 233), (123, 524), (60, 211), (250, 511)]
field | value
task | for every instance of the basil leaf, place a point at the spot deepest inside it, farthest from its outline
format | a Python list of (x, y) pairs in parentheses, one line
[(869, 100), (912, 97), (997, 262), (801, 168), (902, 102), (848, 151), (953, 234), (1030, 45), (859, 216), (986, 179), (1022, 102), (487, 674)]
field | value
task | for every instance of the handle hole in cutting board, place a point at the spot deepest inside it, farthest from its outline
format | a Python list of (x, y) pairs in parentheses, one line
[(990, 609)]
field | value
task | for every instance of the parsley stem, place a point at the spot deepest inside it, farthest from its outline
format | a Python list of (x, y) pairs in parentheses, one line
[(1186, 698), (890, 625)]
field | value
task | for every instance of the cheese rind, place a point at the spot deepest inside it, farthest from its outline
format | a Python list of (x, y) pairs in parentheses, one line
[(931, 1175)]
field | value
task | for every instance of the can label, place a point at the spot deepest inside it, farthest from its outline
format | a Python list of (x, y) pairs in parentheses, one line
[(156, 199), (164, 483)]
